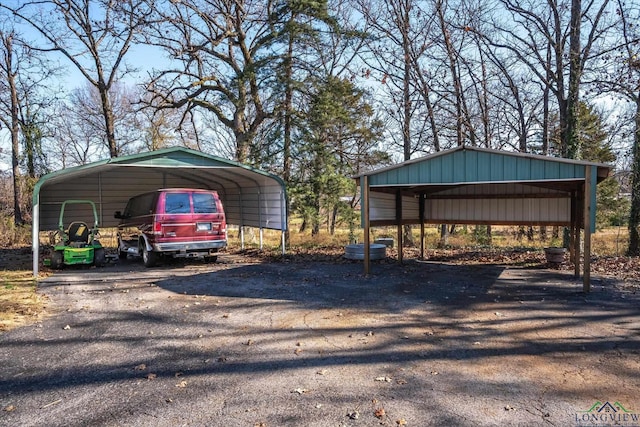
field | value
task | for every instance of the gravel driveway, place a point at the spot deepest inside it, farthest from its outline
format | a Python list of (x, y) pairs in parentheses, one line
[(242, 343)]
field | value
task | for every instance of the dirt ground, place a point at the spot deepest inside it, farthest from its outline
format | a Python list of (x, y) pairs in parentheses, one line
[(249, 343)]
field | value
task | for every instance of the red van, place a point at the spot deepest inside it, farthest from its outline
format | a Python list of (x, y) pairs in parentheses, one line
[(177, 222)]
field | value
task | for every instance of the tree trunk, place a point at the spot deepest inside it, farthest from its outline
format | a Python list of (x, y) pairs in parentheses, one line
[(451, 57), (287, 125), (571, 142), (15, 132), (107, 112), (333, 220), (406, 101), (444, 235)]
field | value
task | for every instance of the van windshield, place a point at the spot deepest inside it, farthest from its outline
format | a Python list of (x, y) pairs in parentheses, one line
[(204, 203), (177, 203)]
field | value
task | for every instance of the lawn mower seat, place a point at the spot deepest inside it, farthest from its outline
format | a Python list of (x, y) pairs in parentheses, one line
[(78, 232)]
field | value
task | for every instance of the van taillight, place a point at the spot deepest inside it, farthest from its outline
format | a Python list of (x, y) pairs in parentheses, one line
[(157, 228)]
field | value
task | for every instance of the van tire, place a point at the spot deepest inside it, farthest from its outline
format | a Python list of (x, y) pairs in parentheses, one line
[(149, 258)]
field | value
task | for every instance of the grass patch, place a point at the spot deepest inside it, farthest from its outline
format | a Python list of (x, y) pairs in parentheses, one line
[(19, 302)]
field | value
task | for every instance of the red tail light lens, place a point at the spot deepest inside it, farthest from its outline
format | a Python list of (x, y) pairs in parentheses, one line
[(157, 227)]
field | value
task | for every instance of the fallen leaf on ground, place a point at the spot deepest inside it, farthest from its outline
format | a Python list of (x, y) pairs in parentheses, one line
[(383, 379), (181, 384), (141, 367), (300, 391), (380, 413), (401, 422)]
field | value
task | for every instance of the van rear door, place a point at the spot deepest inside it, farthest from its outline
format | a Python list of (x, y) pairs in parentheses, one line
[(174, 221), (209, 216), (191, 216)]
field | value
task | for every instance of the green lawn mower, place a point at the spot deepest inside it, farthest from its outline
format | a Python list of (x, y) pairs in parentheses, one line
[(77, 244)]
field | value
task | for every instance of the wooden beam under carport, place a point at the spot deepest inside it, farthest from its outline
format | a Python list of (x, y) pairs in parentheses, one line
[(589, 195)]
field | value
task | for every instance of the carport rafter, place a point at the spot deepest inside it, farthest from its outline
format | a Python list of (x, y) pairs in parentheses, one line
[(470, 185)]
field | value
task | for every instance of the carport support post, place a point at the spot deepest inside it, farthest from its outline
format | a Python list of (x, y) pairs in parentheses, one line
[(364, 188), (35, 235), (421, 208), (589, 206), (575, 231), (399, 222)]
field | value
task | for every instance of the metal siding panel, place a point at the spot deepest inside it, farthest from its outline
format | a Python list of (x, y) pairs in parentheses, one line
[(548, 209), (483, 166), (448, 171), (510, 168), (424, 172), (410, 208), (523, 167), (458, 167), (552, 170), (471, 167), (413, 173), (436, 171), (497, 168), (537, 169), (382, 206)]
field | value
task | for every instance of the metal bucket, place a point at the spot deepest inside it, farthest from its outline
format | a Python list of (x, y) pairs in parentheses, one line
[(356, 251), (554, 255)]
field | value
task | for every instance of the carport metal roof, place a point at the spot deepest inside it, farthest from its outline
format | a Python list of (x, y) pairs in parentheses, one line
[(251, 197), (471, 185)]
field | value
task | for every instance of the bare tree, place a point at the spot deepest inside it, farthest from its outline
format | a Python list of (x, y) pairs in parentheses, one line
[(23, 96), (95, 36), (81, 128), (531, 30), (223, 51), (619, 73), (400, 32), (9, 69)]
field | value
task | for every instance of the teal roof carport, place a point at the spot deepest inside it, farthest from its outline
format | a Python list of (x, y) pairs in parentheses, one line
[(471, 185), (251, 197)]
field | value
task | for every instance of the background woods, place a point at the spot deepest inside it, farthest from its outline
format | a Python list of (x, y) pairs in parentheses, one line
[(318, 90)]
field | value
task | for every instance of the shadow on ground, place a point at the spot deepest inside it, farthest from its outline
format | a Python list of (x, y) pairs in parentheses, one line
[(314, 343)]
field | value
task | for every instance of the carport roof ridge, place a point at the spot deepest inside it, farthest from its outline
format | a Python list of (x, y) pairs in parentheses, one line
[(172, 157)]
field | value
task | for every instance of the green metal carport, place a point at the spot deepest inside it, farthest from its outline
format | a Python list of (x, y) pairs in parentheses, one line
[(251, 197), (471, 185)]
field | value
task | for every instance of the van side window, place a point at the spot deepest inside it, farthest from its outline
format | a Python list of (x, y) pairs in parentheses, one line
[(204, 203), (177, 203), (140, 206)]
